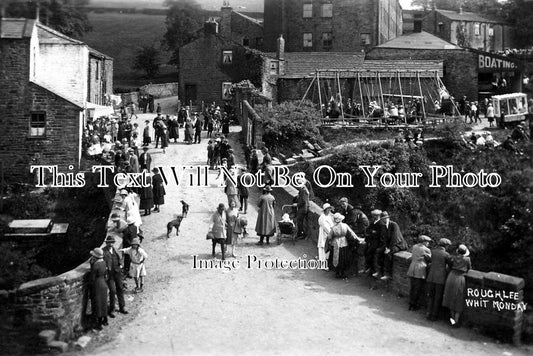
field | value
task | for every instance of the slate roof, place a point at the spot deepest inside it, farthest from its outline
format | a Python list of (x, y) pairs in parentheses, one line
[(419, 40), (302, 64), (16, 27), (405, 68), (465, 16)]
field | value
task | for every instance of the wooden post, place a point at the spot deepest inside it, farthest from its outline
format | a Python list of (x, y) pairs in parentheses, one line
[(420, 89), (307, 91), (340, 94), (401, 95), (361, 92), (319, 95), (381, 92)]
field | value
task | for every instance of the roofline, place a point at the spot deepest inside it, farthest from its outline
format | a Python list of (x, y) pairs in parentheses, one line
[(79, 105), (250, 19), (58, 34), (98, 53), (469, 12)]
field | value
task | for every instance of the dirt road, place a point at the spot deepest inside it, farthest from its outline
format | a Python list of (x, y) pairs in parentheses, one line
[(187, 311)]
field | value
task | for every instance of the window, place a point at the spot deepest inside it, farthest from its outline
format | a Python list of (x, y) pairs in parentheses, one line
[(308, 40), (327, 40), (37, 123), (245, 42), (476, 29), (441, 27), (227, 57), (308, 10), (97, 70), (273, 67), (327, 10), (491, 31), (226, 90), (365, 39), (259, 41)]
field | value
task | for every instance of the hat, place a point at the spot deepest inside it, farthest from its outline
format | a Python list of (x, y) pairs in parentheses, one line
[(358, 206), (326, 206), (444, 242), (376, 212), (268, 188), (462, 249), (285, 218), (343, 200), (384, 215), (97, 252), (115, 217), (110, 239), (221, 206), (130, 220), (146, 148), (338, 217), (131, 150), (123, 192), (135, 241), (424, 238), (155, 170)]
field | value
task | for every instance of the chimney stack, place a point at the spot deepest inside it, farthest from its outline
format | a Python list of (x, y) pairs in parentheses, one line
[(280, 48), (37, 11), (225, 19), (210, 27)]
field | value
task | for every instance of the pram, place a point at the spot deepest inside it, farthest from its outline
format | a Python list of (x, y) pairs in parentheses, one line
[(286, 227)]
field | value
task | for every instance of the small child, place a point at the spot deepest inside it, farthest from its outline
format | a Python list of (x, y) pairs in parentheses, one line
[(137, 269)]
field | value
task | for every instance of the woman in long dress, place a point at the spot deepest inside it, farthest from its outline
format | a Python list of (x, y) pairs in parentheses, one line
[(233, 233), (188, 131), (325, 223), (454, 298), (158, 189), (137, 258), (98, 287), (174, 129), (147, 196), (266, 219), (339, 237)]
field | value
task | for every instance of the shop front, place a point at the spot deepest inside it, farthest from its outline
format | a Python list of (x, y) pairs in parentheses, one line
[(497, 75)]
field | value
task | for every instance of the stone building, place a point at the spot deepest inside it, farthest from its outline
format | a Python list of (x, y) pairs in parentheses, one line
[(337, 26), (47, 92), (468, 29), (211, 64), (241, 28), (466, 72)]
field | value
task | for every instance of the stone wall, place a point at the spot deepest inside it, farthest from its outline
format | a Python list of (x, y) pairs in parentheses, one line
[(57, 303), (160, 90)]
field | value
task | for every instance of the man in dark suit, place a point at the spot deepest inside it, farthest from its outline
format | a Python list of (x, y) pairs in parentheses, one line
[(440, 260), (198, 129), (145, 159), (372, 240), (114, 277), (348, 211), (391, 242), (302, 210)]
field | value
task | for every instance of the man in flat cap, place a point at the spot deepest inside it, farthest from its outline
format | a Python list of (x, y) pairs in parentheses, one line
[(440, 262), (391, 242), (114, 277), (372, 241)]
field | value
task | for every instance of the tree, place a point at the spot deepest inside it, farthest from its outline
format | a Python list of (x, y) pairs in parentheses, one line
[(147, 60), (184, 20), (57, 14)]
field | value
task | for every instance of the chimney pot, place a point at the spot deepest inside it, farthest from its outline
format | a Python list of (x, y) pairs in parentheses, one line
[(280, 51), (210, 27)]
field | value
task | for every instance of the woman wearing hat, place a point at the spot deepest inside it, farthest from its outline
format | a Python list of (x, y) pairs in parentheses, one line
[(440, 260), (158, 189), (98, 287), (455, 284), (325, 223), (137, 258), (174, 129), (421, 256), (147, 196), (217, 229), (266, 219), (233, 232), (338, 238)]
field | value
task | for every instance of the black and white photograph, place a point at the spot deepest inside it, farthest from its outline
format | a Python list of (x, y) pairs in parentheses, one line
[(266, 177)]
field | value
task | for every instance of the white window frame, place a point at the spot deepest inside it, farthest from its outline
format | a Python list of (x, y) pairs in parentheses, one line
[(40, 129), (326, 10), (227, 57), (307, 10), (308, 40)]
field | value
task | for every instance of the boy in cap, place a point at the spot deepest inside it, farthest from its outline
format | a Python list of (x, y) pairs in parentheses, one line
[(137, 256)]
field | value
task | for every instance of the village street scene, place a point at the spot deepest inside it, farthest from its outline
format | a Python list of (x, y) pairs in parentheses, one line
[(266, 177)]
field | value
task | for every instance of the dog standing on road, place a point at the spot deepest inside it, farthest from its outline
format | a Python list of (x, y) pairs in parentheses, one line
[(177, 221), (184, 208)]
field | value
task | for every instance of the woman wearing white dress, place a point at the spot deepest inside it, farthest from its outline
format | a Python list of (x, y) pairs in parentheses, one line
[(325, 222)]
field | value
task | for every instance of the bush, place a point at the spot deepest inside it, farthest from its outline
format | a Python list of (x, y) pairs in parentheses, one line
[(287, 125), (17, 267)]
